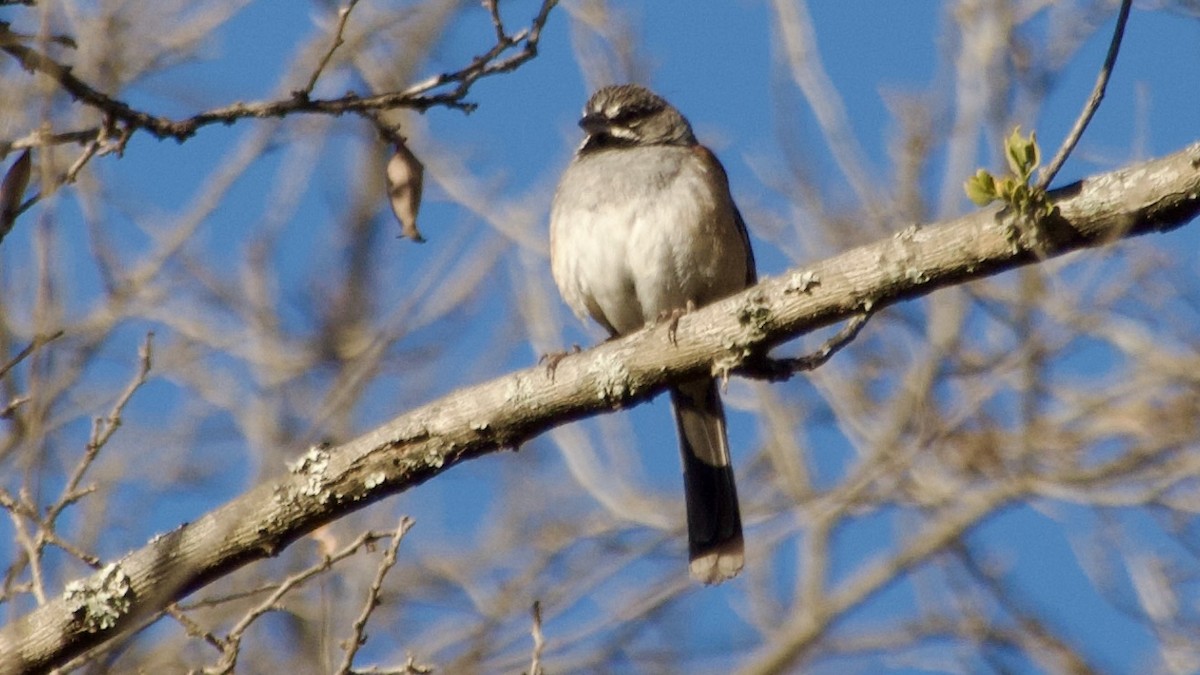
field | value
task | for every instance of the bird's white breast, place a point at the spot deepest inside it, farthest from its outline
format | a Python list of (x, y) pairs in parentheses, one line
[(638, 232)]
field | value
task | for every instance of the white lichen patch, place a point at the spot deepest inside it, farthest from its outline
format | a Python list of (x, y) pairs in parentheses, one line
[(519, 390), (755, 313), (435, 459), (101, 599), (611, 377), (727, 362), (313, 465), (802, 282)]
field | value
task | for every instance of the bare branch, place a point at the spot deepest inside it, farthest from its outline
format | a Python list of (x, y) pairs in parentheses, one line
[(1093, 103), (420, 96), (102, 431), (357, 633), (539, 640), (809, 624), (778, 370), (338, 41), (231, 644), (37, 343)]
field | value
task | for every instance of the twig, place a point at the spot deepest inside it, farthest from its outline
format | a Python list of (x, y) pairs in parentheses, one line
[(38, 343), (417, 97), (409, 667), (24, 508), (89, 151), (778, 370), (357, 636), (338, 41), (34, 61), (1026, 618), (232, 641), (192, 628), (29, 546), (10, 408), (1093, 103), (793, 640), (40, 138), (103, 429), (218, 600), (60, 39), (52, 539), (98, 144), (539, 640), (493, 8)]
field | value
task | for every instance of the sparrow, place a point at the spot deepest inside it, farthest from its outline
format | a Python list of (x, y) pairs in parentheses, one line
[(643, 227)]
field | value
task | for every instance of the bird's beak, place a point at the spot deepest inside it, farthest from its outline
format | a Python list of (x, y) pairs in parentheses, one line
[(593, 123)]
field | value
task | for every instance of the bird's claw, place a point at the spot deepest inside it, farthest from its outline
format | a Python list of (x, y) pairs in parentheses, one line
[(552, 359), (672, 318)]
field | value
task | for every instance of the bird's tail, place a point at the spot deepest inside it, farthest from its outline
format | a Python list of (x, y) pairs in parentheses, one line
[(714, 521)]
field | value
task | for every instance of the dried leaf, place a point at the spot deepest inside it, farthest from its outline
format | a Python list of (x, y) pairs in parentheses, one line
[(405, 179), (12, 191)]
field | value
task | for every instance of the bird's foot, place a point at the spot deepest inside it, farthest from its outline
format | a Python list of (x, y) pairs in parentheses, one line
[(552, 359), (672, 318)]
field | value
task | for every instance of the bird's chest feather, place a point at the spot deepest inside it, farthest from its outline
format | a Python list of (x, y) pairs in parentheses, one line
[(641, 231)]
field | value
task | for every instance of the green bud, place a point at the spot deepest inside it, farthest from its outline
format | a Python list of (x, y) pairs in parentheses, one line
[(981, 188)]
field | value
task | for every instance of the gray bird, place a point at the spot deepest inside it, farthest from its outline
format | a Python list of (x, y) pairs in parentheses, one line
[(643, 227)]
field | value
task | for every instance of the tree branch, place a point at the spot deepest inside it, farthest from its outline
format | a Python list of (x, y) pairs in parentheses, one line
[(509, 52), (1093, 103), (329, 482)]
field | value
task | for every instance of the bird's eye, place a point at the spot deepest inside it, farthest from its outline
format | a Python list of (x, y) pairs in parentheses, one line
[(623, 117), (630, 115)]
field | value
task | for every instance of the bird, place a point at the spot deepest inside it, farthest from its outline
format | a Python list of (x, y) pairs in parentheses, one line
[(643, 227)]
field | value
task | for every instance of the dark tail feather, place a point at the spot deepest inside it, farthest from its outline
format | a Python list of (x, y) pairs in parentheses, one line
[(714, 522)]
